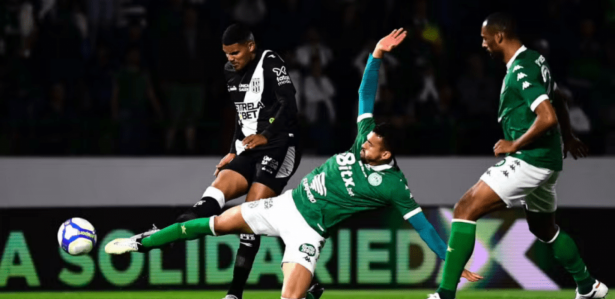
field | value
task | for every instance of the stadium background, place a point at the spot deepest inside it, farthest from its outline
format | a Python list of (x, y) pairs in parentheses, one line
[(59, 61)]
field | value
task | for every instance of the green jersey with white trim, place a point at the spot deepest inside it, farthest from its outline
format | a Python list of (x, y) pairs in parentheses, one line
[(528, 82), (343, 186)]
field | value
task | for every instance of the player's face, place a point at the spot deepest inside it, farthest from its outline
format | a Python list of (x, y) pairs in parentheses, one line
[(240, 54), (372, 151), (489, 42)]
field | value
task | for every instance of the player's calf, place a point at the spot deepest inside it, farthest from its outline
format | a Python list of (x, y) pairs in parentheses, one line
[(246, 254), (211, 204)]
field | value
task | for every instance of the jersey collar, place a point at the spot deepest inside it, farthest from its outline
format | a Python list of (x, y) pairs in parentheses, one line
[(382, 167), (510, 62)]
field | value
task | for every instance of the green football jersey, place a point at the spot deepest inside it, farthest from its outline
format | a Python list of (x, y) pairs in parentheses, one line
[(528, 82), (343, 186)]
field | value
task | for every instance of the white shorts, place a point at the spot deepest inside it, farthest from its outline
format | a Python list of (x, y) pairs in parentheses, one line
[(516, 181), (279, 217)]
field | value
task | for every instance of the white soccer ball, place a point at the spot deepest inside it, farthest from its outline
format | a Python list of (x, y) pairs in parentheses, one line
[(77, 236)]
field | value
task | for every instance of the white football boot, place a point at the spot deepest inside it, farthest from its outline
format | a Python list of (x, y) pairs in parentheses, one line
[(230, 297), (148, 233), (599, 290), (121, 246)]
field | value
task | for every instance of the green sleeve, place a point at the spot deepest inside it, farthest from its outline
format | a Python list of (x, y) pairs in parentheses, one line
[(530, 85), (401, 197), (365, 124)]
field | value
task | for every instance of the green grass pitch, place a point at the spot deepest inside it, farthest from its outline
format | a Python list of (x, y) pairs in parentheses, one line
[(397, 294)]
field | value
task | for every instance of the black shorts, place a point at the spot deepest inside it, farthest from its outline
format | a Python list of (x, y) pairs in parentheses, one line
[(272, 164)]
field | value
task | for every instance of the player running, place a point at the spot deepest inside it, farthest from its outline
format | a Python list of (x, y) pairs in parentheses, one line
[(529, 115), (365, 177), (264, 152)]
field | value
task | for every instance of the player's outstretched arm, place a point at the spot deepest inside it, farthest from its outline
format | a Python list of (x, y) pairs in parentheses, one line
[(369, 84), (436, 244)]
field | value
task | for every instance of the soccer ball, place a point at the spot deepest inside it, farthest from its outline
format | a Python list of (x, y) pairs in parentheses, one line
[(77, 236)]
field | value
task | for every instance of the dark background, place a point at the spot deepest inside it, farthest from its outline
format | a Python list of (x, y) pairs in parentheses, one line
[(60, 61)]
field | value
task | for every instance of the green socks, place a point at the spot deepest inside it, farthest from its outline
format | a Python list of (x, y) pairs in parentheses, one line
[(188, 230), (460, 248), (567, 254)]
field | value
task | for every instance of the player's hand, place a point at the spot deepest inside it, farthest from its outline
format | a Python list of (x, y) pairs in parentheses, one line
[(226, 160), (254, 140), (576, 147), (471, 276), (504, 147), (389, 42)]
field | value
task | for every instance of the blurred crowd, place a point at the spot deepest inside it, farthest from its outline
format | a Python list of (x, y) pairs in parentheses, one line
[(144, 77)]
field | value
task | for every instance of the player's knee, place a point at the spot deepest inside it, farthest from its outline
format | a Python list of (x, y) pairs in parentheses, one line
[(230, 222), (543, 232), (293, 294), (464, 207), (231, 184)]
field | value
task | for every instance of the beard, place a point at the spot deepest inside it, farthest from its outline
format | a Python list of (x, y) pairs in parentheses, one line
[(362, 156), (496, 55)]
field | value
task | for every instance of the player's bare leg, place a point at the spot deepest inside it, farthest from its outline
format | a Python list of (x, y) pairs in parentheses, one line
[(248, 246), (228, 185), (231, 222), (297, 279), (475, 203), (565, 251)]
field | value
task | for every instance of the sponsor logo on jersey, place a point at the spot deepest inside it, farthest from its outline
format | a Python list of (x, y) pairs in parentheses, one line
[(255, 85), (540, 60), (526, 84), (306, 188), (517, 67), (374, 179), (521, 75), (345, 162), (232, 88), (308, 249), (244, 87), (282, 77), (279, 71), (248, 110), (318, 184)]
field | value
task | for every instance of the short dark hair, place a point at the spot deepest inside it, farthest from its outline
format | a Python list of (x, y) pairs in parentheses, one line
[(386, 132), (502, 22), (237, 34)]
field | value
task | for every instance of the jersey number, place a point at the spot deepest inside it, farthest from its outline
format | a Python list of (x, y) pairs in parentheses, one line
[(546, 76)]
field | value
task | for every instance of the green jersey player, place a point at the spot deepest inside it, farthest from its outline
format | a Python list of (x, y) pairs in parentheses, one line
[(530, 108), (363, 178)]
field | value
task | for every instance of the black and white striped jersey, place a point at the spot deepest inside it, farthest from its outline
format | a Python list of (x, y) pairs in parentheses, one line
[(264, 97)]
